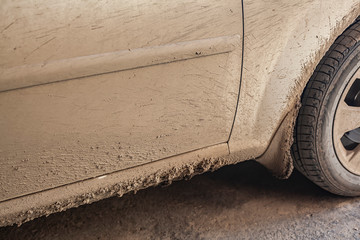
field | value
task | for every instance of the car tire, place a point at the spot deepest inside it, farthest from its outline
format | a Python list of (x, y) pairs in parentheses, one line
[(326, 146)]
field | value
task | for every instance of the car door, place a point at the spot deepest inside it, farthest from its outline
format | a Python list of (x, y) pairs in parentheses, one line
[(92, 87)]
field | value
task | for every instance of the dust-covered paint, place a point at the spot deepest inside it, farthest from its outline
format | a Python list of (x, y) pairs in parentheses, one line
[(165, 171), (283, 43), (292, 37), (91, 88), (104, 63), (72, 130)]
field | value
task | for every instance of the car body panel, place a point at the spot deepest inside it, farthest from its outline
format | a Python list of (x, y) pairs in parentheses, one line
[(73, 114), (26, 208), (283, 42), (292, 37)]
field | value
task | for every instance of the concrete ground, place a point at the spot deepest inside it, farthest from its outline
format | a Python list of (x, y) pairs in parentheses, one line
[(236, 202)]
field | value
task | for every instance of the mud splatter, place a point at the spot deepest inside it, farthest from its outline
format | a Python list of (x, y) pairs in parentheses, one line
[(163, 177)]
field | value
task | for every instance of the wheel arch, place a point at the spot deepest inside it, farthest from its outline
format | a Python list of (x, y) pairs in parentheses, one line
[(270, 93)]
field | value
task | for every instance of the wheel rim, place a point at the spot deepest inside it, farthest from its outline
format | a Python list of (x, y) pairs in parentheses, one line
[(346, 129)]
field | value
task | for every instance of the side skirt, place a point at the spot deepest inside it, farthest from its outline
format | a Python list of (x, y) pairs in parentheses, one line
[(26, 208)]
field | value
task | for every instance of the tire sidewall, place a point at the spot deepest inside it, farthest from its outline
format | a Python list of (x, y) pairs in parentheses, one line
[(334, 171)]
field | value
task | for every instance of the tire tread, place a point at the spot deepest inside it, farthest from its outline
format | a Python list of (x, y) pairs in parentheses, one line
[(303, 149)]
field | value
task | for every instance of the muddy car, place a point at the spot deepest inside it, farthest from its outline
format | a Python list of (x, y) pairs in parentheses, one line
[(101, 98)]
